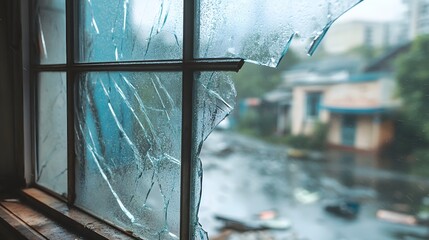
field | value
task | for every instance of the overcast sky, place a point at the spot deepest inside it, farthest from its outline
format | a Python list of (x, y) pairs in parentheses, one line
[(376, 10)]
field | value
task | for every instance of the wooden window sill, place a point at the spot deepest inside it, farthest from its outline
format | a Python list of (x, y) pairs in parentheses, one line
[(37, 215)]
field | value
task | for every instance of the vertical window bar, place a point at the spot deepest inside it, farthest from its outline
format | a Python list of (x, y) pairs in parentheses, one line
[(70, 46), (186, 227), (32, 85), (22, 92)]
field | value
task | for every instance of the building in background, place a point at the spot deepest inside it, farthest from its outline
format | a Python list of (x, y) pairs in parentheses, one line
[(355, 99), (357, 109), (360, 111), (418, 17), (344, 37)]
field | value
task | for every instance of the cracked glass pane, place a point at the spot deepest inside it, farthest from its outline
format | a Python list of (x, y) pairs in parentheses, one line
[(128, 134), (215, 99), (130, 30), (261, 31), (52, 132), (51, 31)]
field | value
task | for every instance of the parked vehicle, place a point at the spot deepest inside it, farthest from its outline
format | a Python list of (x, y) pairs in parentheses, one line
[(344, 209)]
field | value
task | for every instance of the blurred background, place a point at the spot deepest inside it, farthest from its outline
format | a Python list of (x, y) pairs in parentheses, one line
[(333, 146)]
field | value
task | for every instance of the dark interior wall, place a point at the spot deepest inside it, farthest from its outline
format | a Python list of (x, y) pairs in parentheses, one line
[(7, 163)]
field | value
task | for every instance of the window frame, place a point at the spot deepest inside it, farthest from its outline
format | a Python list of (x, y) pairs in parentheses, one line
[(188, 65)]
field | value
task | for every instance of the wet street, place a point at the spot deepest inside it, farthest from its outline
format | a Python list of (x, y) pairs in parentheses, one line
[(244, 177)]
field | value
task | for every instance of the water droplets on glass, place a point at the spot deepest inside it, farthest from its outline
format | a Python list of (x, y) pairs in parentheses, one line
[(130, 30), (128, 133), (51, 31), (128, 126), (215, 99), (261, 31), (52, 132)]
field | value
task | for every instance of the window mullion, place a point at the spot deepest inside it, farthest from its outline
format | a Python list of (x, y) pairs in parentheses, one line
[(186, 228), (71, 8), (221, 64)]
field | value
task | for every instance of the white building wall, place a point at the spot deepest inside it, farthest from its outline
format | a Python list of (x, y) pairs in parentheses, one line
[(300, 123), (366, 133), (334, 133)]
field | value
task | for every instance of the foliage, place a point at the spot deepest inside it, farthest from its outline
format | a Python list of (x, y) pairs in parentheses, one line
[(248, 124), (420, 163), (407, 139), (315, 141), (256, 80), (298, 141), (412, 132), (260, 121), (412, 74), (318, 138)]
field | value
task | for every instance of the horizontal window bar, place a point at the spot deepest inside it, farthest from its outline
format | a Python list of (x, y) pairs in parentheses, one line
[(215, 64)]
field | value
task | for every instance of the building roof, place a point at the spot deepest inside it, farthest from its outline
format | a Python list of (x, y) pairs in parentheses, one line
[(386, 61), (367, 76), (344, 69), (278, 95), (359, 111), (329, 65), (324, 72), (341, 78)]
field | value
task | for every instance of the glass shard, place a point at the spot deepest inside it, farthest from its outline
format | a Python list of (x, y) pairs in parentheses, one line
[(128, 133), (130, 30), (215, 99), (52, 132), (261, 31), (51, 31)]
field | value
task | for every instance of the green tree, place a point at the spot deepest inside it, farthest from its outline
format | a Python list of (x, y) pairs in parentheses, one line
[(412, 74), (255, 80)]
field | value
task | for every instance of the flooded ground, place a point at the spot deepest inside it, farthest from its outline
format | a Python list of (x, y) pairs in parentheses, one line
[(244, 177)]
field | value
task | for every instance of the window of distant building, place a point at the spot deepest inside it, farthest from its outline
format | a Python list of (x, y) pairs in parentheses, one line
[(313, 102)]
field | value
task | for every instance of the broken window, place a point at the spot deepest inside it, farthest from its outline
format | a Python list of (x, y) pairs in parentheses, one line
[(51, 31), (128, 128), (130, 30), (124, 85), (261, 31), (52, 132)]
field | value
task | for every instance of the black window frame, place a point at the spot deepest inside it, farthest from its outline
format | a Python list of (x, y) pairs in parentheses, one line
[(188, 65)]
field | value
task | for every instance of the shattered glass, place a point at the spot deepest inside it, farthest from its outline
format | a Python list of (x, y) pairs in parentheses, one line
[(261, 31), (215, 99), (128, 134), (52, 132), (128, 124), (51, 31), (130, 30)]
